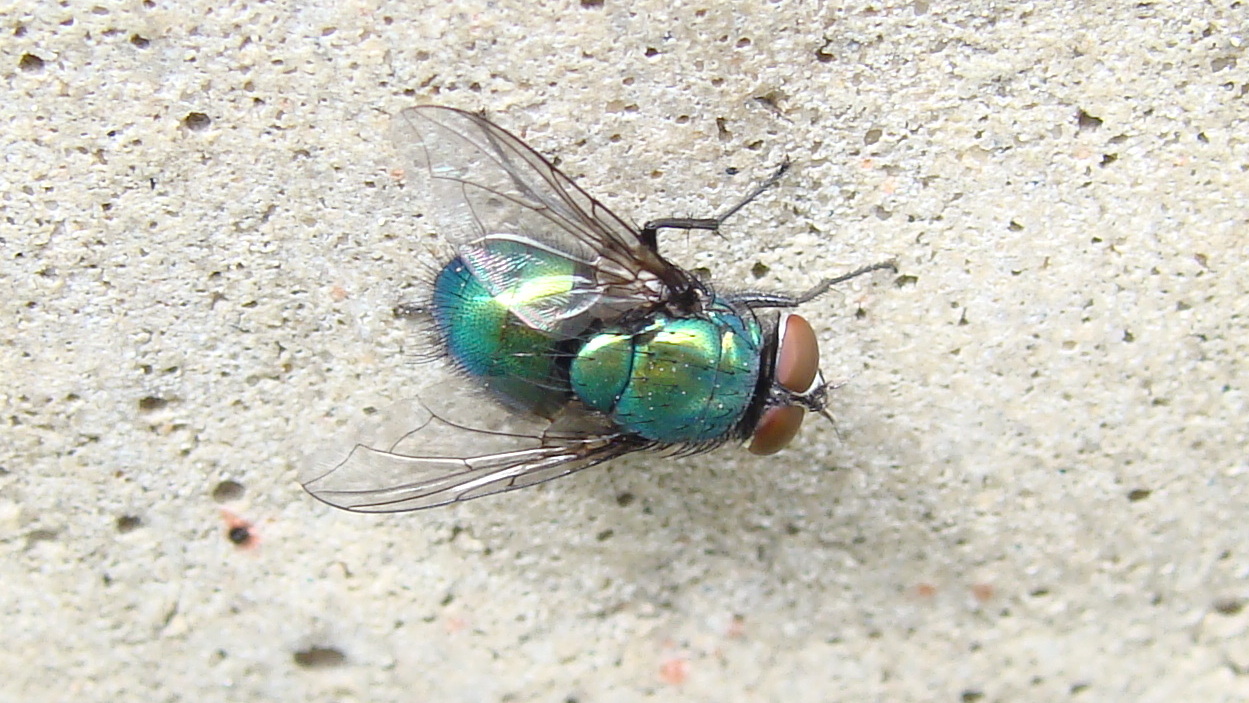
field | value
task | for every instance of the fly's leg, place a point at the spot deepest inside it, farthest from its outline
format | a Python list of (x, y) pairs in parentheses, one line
[(411, 311), (650, 230), (782, 300)]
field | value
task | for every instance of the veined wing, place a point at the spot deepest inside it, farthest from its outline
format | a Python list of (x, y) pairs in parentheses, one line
[(445, 461), (484, 183)]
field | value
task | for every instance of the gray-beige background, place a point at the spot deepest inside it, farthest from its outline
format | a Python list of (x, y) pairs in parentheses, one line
[(1036, 486)]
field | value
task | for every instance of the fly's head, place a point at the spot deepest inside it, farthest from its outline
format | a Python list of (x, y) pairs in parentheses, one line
[(796, 386)]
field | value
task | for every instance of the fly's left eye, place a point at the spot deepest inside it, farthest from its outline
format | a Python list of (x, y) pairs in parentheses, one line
[(797, 363)]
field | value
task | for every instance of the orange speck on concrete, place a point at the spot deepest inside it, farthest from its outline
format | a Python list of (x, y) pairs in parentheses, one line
[(674, 671)]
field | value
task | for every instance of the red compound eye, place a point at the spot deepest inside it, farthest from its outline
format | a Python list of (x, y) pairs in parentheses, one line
[(798, 354), (776, 429)]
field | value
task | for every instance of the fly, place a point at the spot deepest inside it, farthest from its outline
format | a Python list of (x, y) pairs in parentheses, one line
[(573, 340)]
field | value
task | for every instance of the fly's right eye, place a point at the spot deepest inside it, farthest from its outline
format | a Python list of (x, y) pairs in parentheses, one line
[(797, 354), (776, 429), (797, 363)]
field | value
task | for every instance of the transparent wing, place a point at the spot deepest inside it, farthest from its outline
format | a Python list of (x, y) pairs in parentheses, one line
[(484, 183), (422, 457)]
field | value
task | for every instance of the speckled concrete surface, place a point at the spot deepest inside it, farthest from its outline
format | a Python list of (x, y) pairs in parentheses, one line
[(1038, 492)]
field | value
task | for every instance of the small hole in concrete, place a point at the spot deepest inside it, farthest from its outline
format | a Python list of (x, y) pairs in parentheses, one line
[(227, 491), (319, 658), (1087, 122), (151, 402), (196, 121), (1229, 606), (30, 62), (822, 54), (128, 523), (40, 536), (240, 535)]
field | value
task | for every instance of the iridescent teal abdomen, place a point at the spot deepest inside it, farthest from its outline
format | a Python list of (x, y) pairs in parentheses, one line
[(484, 337), (676, 379)]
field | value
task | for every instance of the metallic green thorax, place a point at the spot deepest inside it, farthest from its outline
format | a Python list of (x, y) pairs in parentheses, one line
[(665, 379), (676, 379)]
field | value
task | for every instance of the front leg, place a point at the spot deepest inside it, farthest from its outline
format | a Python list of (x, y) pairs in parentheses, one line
[(650, 230), (782, 300)]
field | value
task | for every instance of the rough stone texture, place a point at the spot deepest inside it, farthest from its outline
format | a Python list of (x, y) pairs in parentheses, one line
[(1038, 492)]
